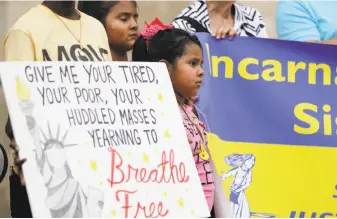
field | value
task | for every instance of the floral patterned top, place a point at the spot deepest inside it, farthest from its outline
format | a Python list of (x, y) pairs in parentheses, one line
[(197, 142)]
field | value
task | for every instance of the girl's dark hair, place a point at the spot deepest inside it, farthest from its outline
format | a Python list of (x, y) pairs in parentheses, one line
[(98, 9), (167, 44)]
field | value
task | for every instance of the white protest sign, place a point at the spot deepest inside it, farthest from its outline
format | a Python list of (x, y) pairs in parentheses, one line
[(101, 140)]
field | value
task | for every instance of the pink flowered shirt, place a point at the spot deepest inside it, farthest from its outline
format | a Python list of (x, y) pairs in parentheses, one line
[(203, 166)]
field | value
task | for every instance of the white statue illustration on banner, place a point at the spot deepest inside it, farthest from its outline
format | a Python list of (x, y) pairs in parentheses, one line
[(65, 197), (242, 171)]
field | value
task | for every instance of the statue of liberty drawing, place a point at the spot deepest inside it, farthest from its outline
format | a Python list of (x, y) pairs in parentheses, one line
[(242, 171), (65, 197)]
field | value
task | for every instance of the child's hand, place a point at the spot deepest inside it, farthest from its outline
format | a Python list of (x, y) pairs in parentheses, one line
[(17, 161)]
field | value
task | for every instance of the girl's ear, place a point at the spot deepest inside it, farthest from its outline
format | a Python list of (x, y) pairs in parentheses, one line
[(168, 65)]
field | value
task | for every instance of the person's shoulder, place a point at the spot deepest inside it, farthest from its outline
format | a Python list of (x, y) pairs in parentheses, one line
[(95, 26), (92, 22), (193, 10), (25, 27), (32, 19), (97, 31), (250, 20), (287, 10), (293, 3), (250, 14), (193, 18), (295, 6)]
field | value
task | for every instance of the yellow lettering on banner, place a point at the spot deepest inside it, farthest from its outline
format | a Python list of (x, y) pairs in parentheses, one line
[(327, 121), (242, 68), (300, 114), (209, 58), (214, 66), (274, 73), (229, 66), (293, 67), (326, 71), (271, 69)]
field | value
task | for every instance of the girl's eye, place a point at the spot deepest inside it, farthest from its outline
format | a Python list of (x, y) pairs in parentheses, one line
[(194, 63), (124, 19)]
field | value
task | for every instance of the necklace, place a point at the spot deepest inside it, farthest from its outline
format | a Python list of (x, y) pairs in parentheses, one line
[(78, 39), (195, 121)]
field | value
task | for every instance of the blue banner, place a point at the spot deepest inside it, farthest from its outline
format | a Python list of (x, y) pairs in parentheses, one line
[(271, 110)]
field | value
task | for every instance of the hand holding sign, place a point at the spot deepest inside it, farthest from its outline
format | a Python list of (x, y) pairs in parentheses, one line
[(221, 21), (3, 163), (17, 161)]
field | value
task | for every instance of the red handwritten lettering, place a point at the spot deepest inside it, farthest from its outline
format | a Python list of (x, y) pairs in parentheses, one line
[(126, 205), (145, 175), (181, 171), (115, 166), (142, 174), (163, 164), (160, 210), (151, 211)]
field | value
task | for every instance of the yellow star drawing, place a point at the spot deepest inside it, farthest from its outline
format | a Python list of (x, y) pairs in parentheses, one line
[(162, 114), (192, 212), (187, 190), (148, 99), (100, 182), (113, 213), (181, 203), (160, 97), (93, 165), (165, 194), (129, 154), (86, 142), (167, 134), (145, 158)]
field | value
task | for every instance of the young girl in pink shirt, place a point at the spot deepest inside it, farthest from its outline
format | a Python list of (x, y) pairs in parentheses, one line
[(183, 56)]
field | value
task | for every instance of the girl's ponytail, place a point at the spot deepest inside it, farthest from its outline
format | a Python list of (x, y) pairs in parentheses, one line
[(161, 42), (139, 52)]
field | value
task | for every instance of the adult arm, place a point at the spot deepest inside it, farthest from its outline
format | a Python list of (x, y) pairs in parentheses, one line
[(184, 24), (332, 41), (219, 25), (18, 46), (294, 22)]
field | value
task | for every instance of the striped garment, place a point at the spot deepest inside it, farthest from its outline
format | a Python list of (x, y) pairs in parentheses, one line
[(248, 21)]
